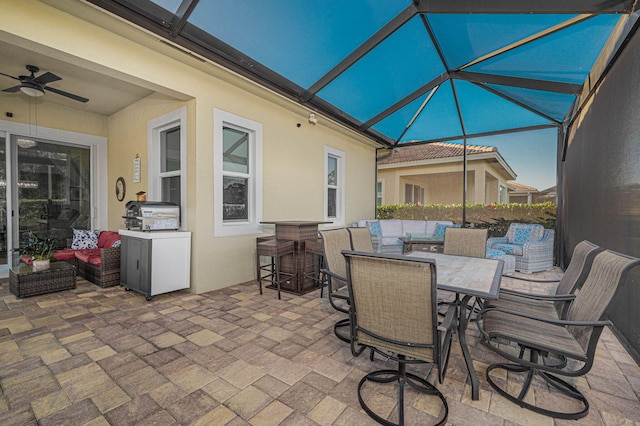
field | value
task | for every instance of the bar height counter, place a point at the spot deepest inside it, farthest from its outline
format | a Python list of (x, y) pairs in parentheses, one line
[(298, 231)]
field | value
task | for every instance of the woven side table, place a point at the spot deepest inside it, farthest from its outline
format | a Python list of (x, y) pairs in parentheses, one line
[(24, 281)]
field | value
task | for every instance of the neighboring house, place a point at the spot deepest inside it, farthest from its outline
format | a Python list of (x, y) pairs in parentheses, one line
[(433, 173), (230, 152), (549, 194), (522, 194)]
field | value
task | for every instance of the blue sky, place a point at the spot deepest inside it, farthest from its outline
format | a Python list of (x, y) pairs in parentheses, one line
[(531, 155)]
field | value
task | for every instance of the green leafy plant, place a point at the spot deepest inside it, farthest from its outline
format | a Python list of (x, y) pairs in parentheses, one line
[(38, 248)]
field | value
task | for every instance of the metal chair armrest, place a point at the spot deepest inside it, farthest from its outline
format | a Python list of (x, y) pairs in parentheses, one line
[(553, 298), (559, 322)]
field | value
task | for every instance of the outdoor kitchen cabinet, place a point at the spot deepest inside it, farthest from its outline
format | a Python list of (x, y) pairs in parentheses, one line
[(153, 263)]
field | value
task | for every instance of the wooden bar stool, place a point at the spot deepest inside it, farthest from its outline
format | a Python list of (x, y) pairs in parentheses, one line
[(275, 250), (313, 248)]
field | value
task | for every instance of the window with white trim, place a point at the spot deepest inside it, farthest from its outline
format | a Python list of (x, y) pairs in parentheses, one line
[(379, 188), (334, 194), (168, 160), (237, 162)]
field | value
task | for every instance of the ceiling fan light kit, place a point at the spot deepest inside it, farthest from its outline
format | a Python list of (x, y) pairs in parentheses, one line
[(35, 86), (31, 90)]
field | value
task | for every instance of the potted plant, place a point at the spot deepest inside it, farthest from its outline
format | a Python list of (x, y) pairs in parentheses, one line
[(39, 249)]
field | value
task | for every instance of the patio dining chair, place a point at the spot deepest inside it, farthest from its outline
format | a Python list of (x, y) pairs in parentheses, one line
[(393, 312), (333, 243), (465, 242), (574, 338), (361, 239), (556, 304)]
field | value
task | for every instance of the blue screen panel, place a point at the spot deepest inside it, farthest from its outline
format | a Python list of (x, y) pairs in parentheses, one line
[(403, 63), (464, 38), (555, 105), (565, 56), (294, 40)]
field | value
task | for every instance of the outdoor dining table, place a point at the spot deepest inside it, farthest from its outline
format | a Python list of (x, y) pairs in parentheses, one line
[(467, 277)]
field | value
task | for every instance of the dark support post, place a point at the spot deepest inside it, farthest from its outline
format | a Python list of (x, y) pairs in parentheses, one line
[(464, 183)]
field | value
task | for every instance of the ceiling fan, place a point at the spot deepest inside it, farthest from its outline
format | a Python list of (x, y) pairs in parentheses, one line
[(35, 86)]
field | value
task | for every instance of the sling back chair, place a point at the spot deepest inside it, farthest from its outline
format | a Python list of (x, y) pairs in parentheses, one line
[(463, 242), (333, 242), (361, 239), (556, 304), (393, 312), (573, 338)]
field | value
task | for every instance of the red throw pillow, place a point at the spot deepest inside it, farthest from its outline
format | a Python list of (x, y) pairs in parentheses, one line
[(107, 239), (85, 254), (64, 254)]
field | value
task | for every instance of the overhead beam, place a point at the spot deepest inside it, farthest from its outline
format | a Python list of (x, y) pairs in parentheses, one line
[(524, 83), (405, 101), (182, 16), (528, 7), (480, 135), (517, 102)]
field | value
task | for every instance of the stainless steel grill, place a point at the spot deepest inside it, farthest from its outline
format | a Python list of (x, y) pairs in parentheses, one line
[(152, 215)]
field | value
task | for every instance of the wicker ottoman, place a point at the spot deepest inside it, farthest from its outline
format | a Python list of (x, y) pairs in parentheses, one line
[(509, 260), (24, 281)]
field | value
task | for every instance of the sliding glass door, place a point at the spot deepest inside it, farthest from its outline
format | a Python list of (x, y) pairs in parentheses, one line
[(51, 189)]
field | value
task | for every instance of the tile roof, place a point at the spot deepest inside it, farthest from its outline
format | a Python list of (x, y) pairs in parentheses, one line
[(432, 151), (519, 187)]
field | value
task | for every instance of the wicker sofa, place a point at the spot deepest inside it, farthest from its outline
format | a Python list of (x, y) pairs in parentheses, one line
[(531, 245), (386, 233), (99, 265)]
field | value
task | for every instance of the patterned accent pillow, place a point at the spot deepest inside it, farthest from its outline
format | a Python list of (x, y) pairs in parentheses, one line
[(84, 239), (491, 253), (522, 235), (374, 228), (117, 243), (439, 231)]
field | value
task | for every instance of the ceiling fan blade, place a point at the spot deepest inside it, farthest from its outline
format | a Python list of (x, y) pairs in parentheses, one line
[(12, 89), (67, 94), (10, 76), (47, 78)]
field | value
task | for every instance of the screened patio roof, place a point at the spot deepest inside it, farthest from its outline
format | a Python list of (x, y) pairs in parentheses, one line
[(401, 71)]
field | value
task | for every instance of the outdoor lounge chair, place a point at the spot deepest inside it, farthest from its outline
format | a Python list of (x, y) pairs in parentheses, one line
[(573, 339), (531, 244), (393, 312)]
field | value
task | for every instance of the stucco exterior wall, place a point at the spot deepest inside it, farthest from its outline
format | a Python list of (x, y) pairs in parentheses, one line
[(443, 182), (293, 161)]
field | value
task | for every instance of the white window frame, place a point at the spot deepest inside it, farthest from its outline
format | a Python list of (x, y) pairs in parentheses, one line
[(381, 183), (155, 128), (223, 119), (340, 187)]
